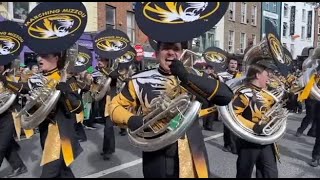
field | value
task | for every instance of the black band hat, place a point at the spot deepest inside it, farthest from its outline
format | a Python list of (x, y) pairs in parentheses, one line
[(53, 27), (83, 61), (111, 43), (216, 57), (11, 41), (178, 21)]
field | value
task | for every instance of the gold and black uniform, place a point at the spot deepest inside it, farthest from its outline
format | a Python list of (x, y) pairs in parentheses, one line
[(178, 159), (229, 138), (250, 104), (57, 133), (8, 146)]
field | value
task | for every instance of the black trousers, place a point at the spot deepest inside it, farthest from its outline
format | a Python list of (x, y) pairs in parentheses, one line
[(311, 113), (8, 146), (263, 156), (81, 134), (109, 145), (316, 147), (208, 120), (230, 139), (163, 163), (57, 168)]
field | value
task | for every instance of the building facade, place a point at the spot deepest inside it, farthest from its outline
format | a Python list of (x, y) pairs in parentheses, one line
[(316, 39), (272, 12), (235, 31), (242, 26), (120, 15), (297, 22)]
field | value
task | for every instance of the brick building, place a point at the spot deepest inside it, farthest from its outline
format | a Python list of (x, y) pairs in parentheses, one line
[(242, 25), (120, 15)]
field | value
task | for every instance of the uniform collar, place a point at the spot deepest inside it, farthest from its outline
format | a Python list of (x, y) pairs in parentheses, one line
[(48, 73), (255, 87), (163, 72)]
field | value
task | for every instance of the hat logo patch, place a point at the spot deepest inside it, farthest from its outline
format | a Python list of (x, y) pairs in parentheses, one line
[(83, 59), (127, 57), (177, 12), (9, 43), (112, 43), (54, 24), (215, 57)]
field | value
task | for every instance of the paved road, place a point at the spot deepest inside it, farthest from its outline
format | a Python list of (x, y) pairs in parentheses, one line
[(126, 162)]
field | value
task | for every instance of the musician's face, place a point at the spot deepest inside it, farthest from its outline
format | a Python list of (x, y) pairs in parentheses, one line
[(167, 53), (102, 63), (233, 65), (48, 62), (264, 78), (35, 69)]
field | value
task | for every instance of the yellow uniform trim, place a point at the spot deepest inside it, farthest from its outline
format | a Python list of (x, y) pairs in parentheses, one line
[(215, 90)]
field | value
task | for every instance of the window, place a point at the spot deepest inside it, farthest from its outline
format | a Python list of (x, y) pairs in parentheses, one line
[(318, 28), (303, 32), (20, 10), (231, 42), (285, 10), (244, 12), (110, 17), (267, 6), (254, 39), (292, 49), (131, 27), (274, 7), (242, 42), (254, 15), (285, 29), (232, 11), (303, 15), (211, 37)]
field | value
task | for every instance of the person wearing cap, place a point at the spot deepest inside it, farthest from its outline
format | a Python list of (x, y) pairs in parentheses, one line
[(8, 146), (310, 104), (208, 119), (249, 110), (57, 134), (99, 109), (175, 160), (229, 138)]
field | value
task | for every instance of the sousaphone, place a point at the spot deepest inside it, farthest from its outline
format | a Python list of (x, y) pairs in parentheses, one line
[(11, 44), (54, 32), (171, 116), (271, 50)]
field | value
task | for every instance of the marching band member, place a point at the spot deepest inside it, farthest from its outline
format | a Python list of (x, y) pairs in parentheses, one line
[(166, 162), (250, 103), (57, 140), (208, 120), (108, 147), (230, 139), (57, 134), (8, 144)]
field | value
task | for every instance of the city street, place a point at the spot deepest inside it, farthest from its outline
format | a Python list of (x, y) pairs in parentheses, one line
[(126, 162)]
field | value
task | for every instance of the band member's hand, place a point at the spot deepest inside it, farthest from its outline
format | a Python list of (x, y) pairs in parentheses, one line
[(113, 75), (258, 128), (135, 122), (177, 68), (63, 86)]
